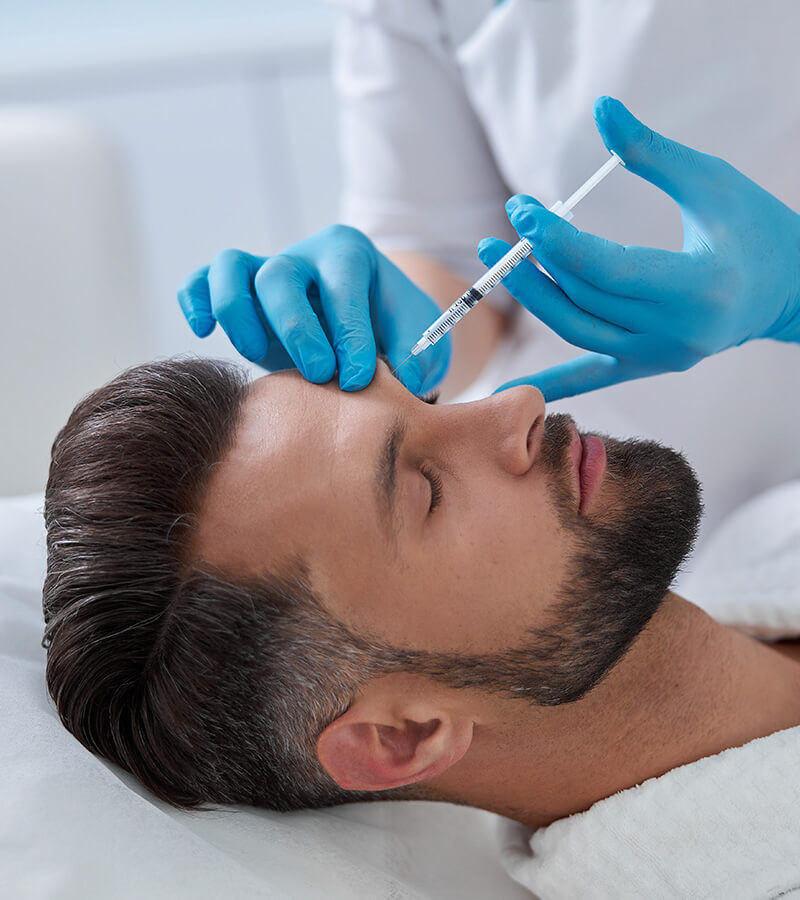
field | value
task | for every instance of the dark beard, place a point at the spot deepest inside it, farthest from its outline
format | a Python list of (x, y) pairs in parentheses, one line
[(628, 555)]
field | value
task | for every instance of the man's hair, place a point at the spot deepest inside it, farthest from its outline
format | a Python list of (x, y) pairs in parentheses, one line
[(205, 688)]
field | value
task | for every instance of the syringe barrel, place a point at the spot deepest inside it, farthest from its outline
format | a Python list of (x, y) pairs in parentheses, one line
[(477, 292), (454, 313)]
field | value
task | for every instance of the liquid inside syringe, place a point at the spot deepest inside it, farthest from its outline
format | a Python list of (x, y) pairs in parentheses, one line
[(492, 277)]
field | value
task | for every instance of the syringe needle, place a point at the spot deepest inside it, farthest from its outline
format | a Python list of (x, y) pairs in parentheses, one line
[(394, 371)]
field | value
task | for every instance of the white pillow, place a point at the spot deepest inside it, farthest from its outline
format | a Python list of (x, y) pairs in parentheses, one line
[(73, 825), (746, 574)]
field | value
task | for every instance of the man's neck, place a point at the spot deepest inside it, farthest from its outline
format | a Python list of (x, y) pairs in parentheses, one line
[(689, 687)]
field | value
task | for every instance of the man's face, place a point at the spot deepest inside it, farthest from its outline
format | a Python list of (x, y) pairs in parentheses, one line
[(508, 549)]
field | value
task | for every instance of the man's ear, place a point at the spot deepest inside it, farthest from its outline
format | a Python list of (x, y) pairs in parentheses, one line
[(386, 741)]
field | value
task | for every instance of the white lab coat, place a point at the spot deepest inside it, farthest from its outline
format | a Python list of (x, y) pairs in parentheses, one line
[(447, 107)]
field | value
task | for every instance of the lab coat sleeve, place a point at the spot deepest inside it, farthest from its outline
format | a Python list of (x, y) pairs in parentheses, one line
[(417, 170)]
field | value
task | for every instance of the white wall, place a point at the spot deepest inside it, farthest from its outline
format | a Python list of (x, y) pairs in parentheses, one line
[(222, 121)]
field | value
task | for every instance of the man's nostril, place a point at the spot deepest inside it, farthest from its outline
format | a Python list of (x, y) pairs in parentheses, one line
[(539, 421)]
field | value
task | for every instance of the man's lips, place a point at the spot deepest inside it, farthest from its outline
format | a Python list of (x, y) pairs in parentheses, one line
[(588, 457)]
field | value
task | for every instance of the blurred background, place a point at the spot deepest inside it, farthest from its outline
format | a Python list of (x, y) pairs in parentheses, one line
[(137, 140)]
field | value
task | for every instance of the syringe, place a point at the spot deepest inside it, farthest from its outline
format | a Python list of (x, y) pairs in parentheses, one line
[(492, 277)]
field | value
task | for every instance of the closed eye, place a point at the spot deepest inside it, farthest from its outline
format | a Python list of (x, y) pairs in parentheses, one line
[(436, 486)]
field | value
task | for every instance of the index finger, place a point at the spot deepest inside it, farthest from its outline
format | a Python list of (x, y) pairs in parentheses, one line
[(631, 271)]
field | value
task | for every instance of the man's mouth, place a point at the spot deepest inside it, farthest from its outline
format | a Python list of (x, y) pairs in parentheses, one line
[(588, 457)]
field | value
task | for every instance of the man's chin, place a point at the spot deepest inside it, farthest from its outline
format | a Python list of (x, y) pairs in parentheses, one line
[(657, 501)]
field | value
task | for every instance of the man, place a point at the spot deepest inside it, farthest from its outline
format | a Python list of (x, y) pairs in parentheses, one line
[(405, 599)]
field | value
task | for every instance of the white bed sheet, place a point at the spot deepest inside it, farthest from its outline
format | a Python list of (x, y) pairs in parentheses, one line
[(72, 825)]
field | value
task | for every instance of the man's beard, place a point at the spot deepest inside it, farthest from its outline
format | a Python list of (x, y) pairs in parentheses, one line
[(627, 555)]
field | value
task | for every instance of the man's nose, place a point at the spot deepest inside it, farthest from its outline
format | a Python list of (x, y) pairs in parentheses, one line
[(512, 424)]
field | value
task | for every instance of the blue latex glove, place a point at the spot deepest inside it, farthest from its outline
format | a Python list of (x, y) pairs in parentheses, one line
[(644, 311), (330, 301)]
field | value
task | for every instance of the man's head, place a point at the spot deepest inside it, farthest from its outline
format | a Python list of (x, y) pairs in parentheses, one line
[(235, 608)]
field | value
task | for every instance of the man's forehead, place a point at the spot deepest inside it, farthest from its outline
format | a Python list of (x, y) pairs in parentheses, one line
[(264, 470), (290, 409), (294, 454), (279, 415)]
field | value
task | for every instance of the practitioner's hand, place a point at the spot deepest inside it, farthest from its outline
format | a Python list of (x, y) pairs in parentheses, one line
[(329, 302), (643, 311)]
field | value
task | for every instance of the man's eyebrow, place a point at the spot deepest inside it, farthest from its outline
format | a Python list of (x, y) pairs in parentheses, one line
[(386, 475)]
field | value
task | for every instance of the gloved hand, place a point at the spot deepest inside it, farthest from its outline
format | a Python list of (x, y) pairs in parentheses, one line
[(644, 311), (330, 301)]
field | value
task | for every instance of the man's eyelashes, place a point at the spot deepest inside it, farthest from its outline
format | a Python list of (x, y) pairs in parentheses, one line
[(436, 486), (430, 397)]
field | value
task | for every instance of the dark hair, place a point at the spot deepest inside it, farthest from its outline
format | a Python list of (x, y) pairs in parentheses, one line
[(206, 689)]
